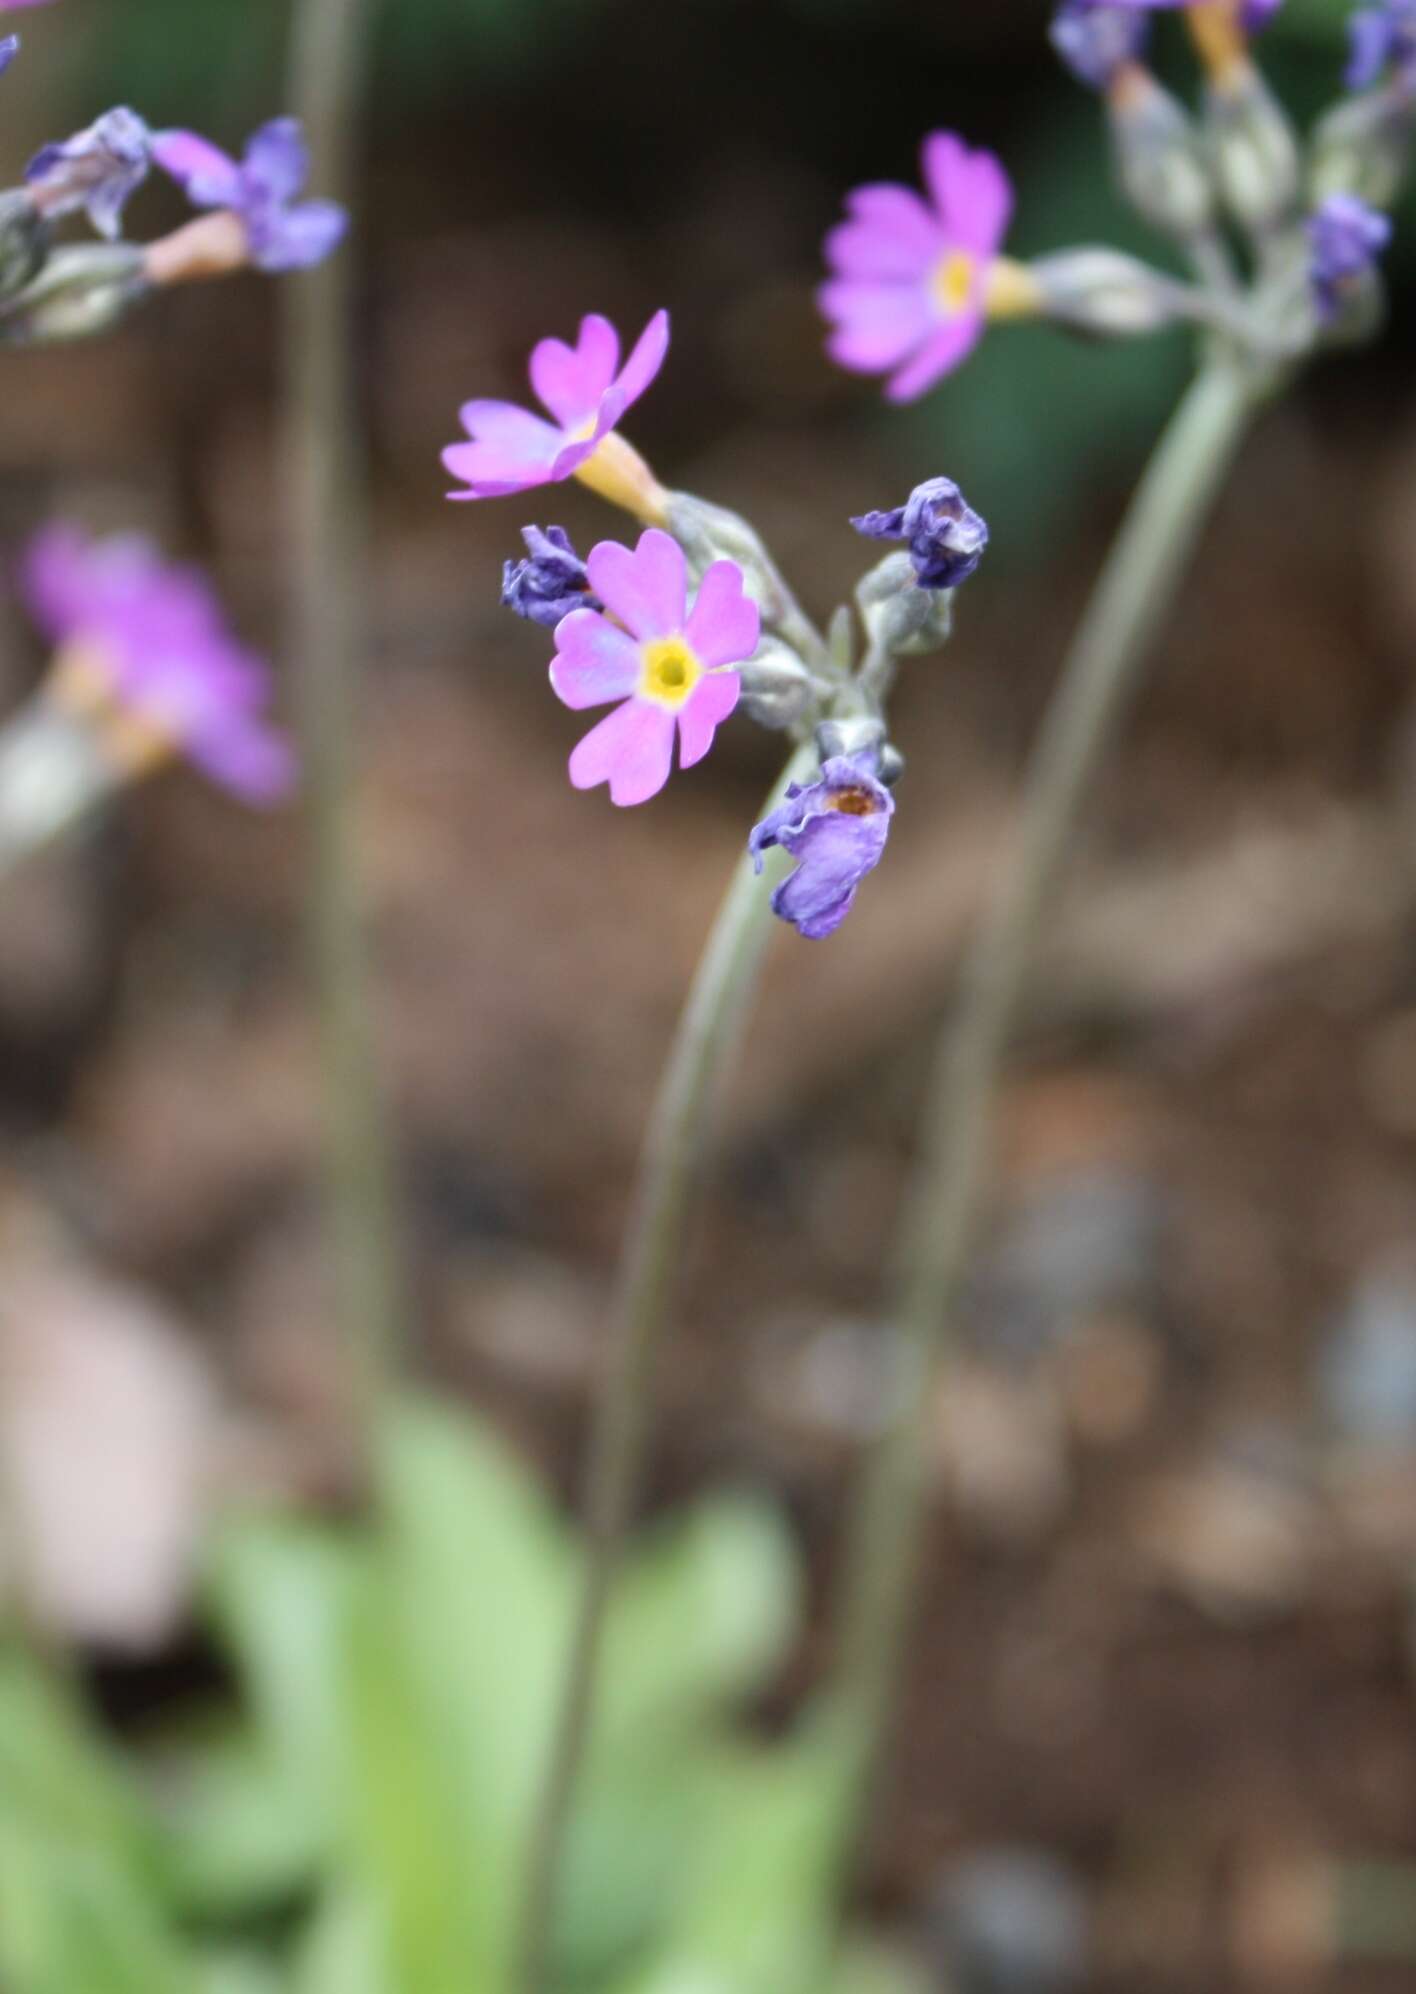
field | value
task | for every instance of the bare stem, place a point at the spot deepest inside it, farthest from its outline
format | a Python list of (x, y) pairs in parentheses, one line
[(705, 1045), (1136, 592), (330, 629)]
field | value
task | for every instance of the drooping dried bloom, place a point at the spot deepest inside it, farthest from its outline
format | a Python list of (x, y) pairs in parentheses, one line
[(144, 650), (262, 189), (909, 292), (1383, 39), (550, 582), (96, 170), (586, 391), (1345, 239), (1096, 39), (946, 537), (836, 829), (670, 668)]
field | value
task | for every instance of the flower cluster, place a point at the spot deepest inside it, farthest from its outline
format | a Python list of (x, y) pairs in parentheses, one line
[(254, 218), (694, 623), (915, 277)]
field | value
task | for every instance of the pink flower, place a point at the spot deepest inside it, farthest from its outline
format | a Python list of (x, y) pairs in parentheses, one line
[(669, 667), (143, 639), (586, 391), (910, 284)]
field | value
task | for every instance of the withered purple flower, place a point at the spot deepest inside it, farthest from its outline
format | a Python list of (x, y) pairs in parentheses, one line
[(1345, 238), (96, 170), (836, 829), (1383, 38), (550, 582), (947, 538), (1095, 39)]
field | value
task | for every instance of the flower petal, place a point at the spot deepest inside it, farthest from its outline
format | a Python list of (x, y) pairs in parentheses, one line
[(865, 250), (632, 749), (876, 325), (302, 236), (898, 210), (943, 351), (644, 362), (570, 380), (255, 762), (277, 162), (595, 662), (726, 624), (706, 707), (645, 588), (209, 176), (970, 189), (511, 450)]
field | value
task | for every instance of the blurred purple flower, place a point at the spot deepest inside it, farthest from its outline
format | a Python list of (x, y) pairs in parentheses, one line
[(550, 582), (670, 667), (1254, 14), (1383, 38), (1345, 238), (284, 232), (1095, 39), (96, 170), (586, 391), (837, 830), (910, 275), (148, 639), (946, 537)]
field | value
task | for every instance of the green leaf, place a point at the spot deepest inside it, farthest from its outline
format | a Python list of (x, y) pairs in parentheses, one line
[(280, 1593), (240, 1838), (74, 1919)]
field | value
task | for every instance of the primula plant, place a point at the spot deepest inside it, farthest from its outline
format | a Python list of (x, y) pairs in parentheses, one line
[(450, 1791), (1281, 241)]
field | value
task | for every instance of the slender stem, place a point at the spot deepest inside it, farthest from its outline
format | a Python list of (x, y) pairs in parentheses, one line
[(1135, 594), (327, 561), (709, 1033)]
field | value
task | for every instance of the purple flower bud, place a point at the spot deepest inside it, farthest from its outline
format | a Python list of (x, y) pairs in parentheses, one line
[(9, 49), (946, 536), (96, 170), (283, 233), (550, 582), (1382, 38), (1095, 39), (1345, 238), (836, 829)]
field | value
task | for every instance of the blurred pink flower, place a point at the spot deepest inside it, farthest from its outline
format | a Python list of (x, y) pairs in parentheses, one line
[(586, 391), (909, 288), (668, 666), (148, 640)]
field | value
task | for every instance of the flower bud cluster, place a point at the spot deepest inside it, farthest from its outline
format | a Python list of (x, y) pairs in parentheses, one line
[(1284, 237)]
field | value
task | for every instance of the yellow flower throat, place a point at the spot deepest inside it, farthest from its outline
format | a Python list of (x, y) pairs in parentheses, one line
[(953, 282), (671, 671)]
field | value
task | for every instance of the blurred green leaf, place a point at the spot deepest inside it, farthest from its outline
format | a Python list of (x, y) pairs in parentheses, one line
[(242, 1838), (76, 1918)]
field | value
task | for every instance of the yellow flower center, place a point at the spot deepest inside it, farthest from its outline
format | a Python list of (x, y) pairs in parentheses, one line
[(852, 802), (953, 282), (671, 671)]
